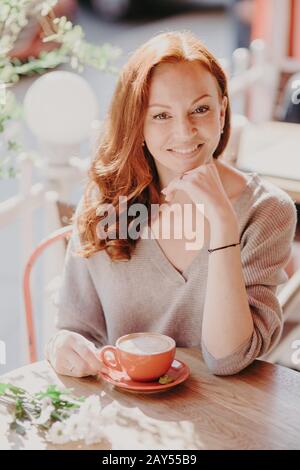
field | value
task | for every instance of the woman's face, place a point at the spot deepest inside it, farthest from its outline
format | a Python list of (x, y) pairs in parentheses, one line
[(184, 118)]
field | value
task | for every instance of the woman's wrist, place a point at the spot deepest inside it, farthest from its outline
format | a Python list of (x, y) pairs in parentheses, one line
[(221, 216), (222, 234), (50, 346), (219, 248)]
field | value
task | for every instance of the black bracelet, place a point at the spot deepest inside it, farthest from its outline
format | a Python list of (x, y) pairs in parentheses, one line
[(221, 247)]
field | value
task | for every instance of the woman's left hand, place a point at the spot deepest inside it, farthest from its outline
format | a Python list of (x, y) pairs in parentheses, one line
[(204, 186)]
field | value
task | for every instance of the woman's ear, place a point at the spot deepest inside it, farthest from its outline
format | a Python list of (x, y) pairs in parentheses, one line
[(224, 103)]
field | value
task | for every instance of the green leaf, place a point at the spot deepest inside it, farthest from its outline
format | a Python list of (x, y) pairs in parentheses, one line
[(13, 145), (27, 407), (20, 413), (4, 387)]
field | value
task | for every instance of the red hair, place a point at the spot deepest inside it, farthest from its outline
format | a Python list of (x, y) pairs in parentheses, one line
[(122, 166)]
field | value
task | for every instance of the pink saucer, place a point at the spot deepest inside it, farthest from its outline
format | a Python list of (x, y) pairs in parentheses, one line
[(179, 371)]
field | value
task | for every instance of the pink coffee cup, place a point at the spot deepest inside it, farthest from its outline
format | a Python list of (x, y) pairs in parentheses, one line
[(143, 356)]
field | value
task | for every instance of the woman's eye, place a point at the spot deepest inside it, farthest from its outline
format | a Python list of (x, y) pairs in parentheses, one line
[(160, 117), (201, 109)]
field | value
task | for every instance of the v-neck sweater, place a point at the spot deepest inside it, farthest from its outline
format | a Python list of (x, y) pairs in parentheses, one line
[(103, 299)]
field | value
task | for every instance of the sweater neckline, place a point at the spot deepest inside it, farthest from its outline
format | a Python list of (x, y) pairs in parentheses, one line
[(158, 257)]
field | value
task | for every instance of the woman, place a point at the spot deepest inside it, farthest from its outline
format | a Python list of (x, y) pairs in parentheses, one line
[(168, 123)]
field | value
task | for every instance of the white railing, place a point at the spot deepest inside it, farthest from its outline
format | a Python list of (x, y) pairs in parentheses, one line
[(22, 207), (253, 83), (290, 65), (252, 86)]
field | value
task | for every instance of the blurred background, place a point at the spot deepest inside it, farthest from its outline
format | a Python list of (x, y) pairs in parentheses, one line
[(46, 144)]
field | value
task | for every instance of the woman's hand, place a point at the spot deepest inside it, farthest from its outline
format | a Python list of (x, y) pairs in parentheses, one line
[(71, 354), (204, 186)]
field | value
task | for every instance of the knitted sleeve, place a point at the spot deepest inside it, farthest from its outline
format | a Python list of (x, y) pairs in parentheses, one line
[(266, 245), (79, 305)]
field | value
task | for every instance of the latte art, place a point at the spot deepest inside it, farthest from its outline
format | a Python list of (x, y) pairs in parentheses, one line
[(144, 357), (145, 345)]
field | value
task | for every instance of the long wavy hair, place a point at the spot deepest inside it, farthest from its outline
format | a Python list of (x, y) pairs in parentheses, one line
[(122, 165)]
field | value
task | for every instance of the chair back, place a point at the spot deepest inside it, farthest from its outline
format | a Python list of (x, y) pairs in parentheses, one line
[(61, 233)]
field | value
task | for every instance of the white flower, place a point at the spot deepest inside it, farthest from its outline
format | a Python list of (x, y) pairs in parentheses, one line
[(45, 7), (95, 434), (90, 408), (46, 409), (72, 428), (56, 433), (85, 423)]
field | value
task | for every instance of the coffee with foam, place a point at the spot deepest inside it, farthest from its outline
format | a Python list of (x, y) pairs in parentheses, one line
[(145, 344), (144, 357)]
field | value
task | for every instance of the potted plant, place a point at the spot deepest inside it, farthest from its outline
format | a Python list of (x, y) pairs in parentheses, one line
[(65, 44)]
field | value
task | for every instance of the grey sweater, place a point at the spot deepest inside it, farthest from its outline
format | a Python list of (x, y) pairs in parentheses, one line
[(103, 300)]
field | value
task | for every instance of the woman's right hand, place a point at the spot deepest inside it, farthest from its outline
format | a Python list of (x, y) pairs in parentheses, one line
[(72, 354)]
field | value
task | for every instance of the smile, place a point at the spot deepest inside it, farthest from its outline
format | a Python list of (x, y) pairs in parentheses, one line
[(186, 151)]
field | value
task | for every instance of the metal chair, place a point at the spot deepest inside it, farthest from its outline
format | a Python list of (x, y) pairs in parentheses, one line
[(61, 233)]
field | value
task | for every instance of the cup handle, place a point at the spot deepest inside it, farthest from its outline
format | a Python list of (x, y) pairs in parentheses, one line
[(107, 362)]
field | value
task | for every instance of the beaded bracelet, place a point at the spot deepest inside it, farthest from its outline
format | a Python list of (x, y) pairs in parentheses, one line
[(221, 247)]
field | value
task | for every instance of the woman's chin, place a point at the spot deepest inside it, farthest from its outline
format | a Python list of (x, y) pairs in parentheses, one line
[(190, 165)]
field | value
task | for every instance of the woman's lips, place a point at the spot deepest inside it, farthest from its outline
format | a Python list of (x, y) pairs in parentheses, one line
[(186, 154)]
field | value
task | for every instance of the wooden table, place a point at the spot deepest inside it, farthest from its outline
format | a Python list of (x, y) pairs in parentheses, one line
[(272, 149), (256, 409)]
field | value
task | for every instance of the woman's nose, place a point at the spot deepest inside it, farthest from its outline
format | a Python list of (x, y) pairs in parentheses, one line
[(185, 129)]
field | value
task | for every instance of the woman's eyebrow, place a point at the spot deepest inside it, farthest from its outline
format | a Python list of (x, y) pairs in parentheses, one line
[(166, 106)]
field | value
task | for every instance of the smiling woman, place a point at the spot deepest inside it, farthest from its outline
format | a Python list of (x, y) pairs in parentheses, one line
[(184, 132), (144, 146), (168, 123)]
